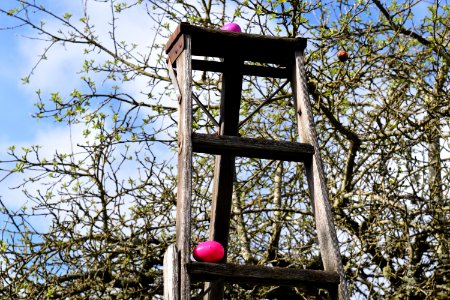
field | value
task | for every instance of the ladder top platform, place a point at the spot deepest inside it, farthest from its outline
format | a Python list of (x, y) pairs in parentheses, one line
[(223, 44)]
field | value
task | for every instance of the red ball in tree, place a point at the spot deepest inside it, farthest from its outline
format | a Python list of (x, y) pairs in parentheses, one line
[(209, 251), (342, 55)]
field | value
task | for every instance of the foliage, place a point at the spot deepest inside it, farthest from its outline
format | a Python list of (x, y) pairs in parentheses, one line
[(383, 124)]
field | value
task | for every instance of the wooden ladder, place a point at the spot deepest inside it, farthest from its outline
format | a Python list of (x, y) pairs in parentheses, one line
[(234, 49)]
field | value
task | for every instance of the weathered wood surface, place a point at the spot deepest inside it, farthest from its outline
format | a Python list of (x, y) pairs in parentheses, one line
[(249, 147), (219, 43), (224, 166), (252, 70), (262, 275), (326, 231), (184, 194), (171, 272)]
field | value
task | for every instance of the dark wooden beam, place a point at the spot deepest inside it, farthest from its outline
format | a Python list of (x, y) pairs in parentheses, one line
[(259, 275), (250, 147), (224, 165), (252, 70)]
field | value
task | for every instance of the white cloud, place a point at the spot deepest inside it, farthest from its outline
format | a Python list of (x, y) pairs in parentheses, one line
[(56, 73)]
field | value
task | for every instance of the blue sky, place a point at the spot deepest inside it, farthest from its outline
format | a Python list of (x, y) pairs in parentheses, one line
[(19, 54), (14, 97)]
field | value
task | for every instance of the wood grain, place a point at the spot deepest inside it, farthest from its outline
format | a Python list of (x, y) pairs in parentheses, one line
[(224, 165), (249, 147), (171, 272), (252, 70), (326, 232), (184, 195), (262, 275)]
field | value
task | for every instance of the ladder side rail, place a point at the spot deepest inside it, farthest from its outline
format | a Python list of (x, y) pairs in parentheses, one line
[(328, 242), (184, 189)]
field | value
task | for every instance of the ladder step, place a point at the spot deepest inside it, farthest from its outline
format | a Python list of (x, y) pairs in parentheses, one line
[(200, 272), (253, 70), (248, 147)]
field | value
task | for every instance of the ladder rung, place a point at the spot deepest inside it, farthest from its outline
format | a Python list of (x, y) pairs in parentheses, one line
[(248, 147), (261, 71), (262, 275)]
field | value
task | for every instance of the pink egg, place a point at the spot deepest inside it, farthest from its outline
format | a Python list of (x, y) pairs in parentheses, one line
[(209, 251), (231, 27)]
